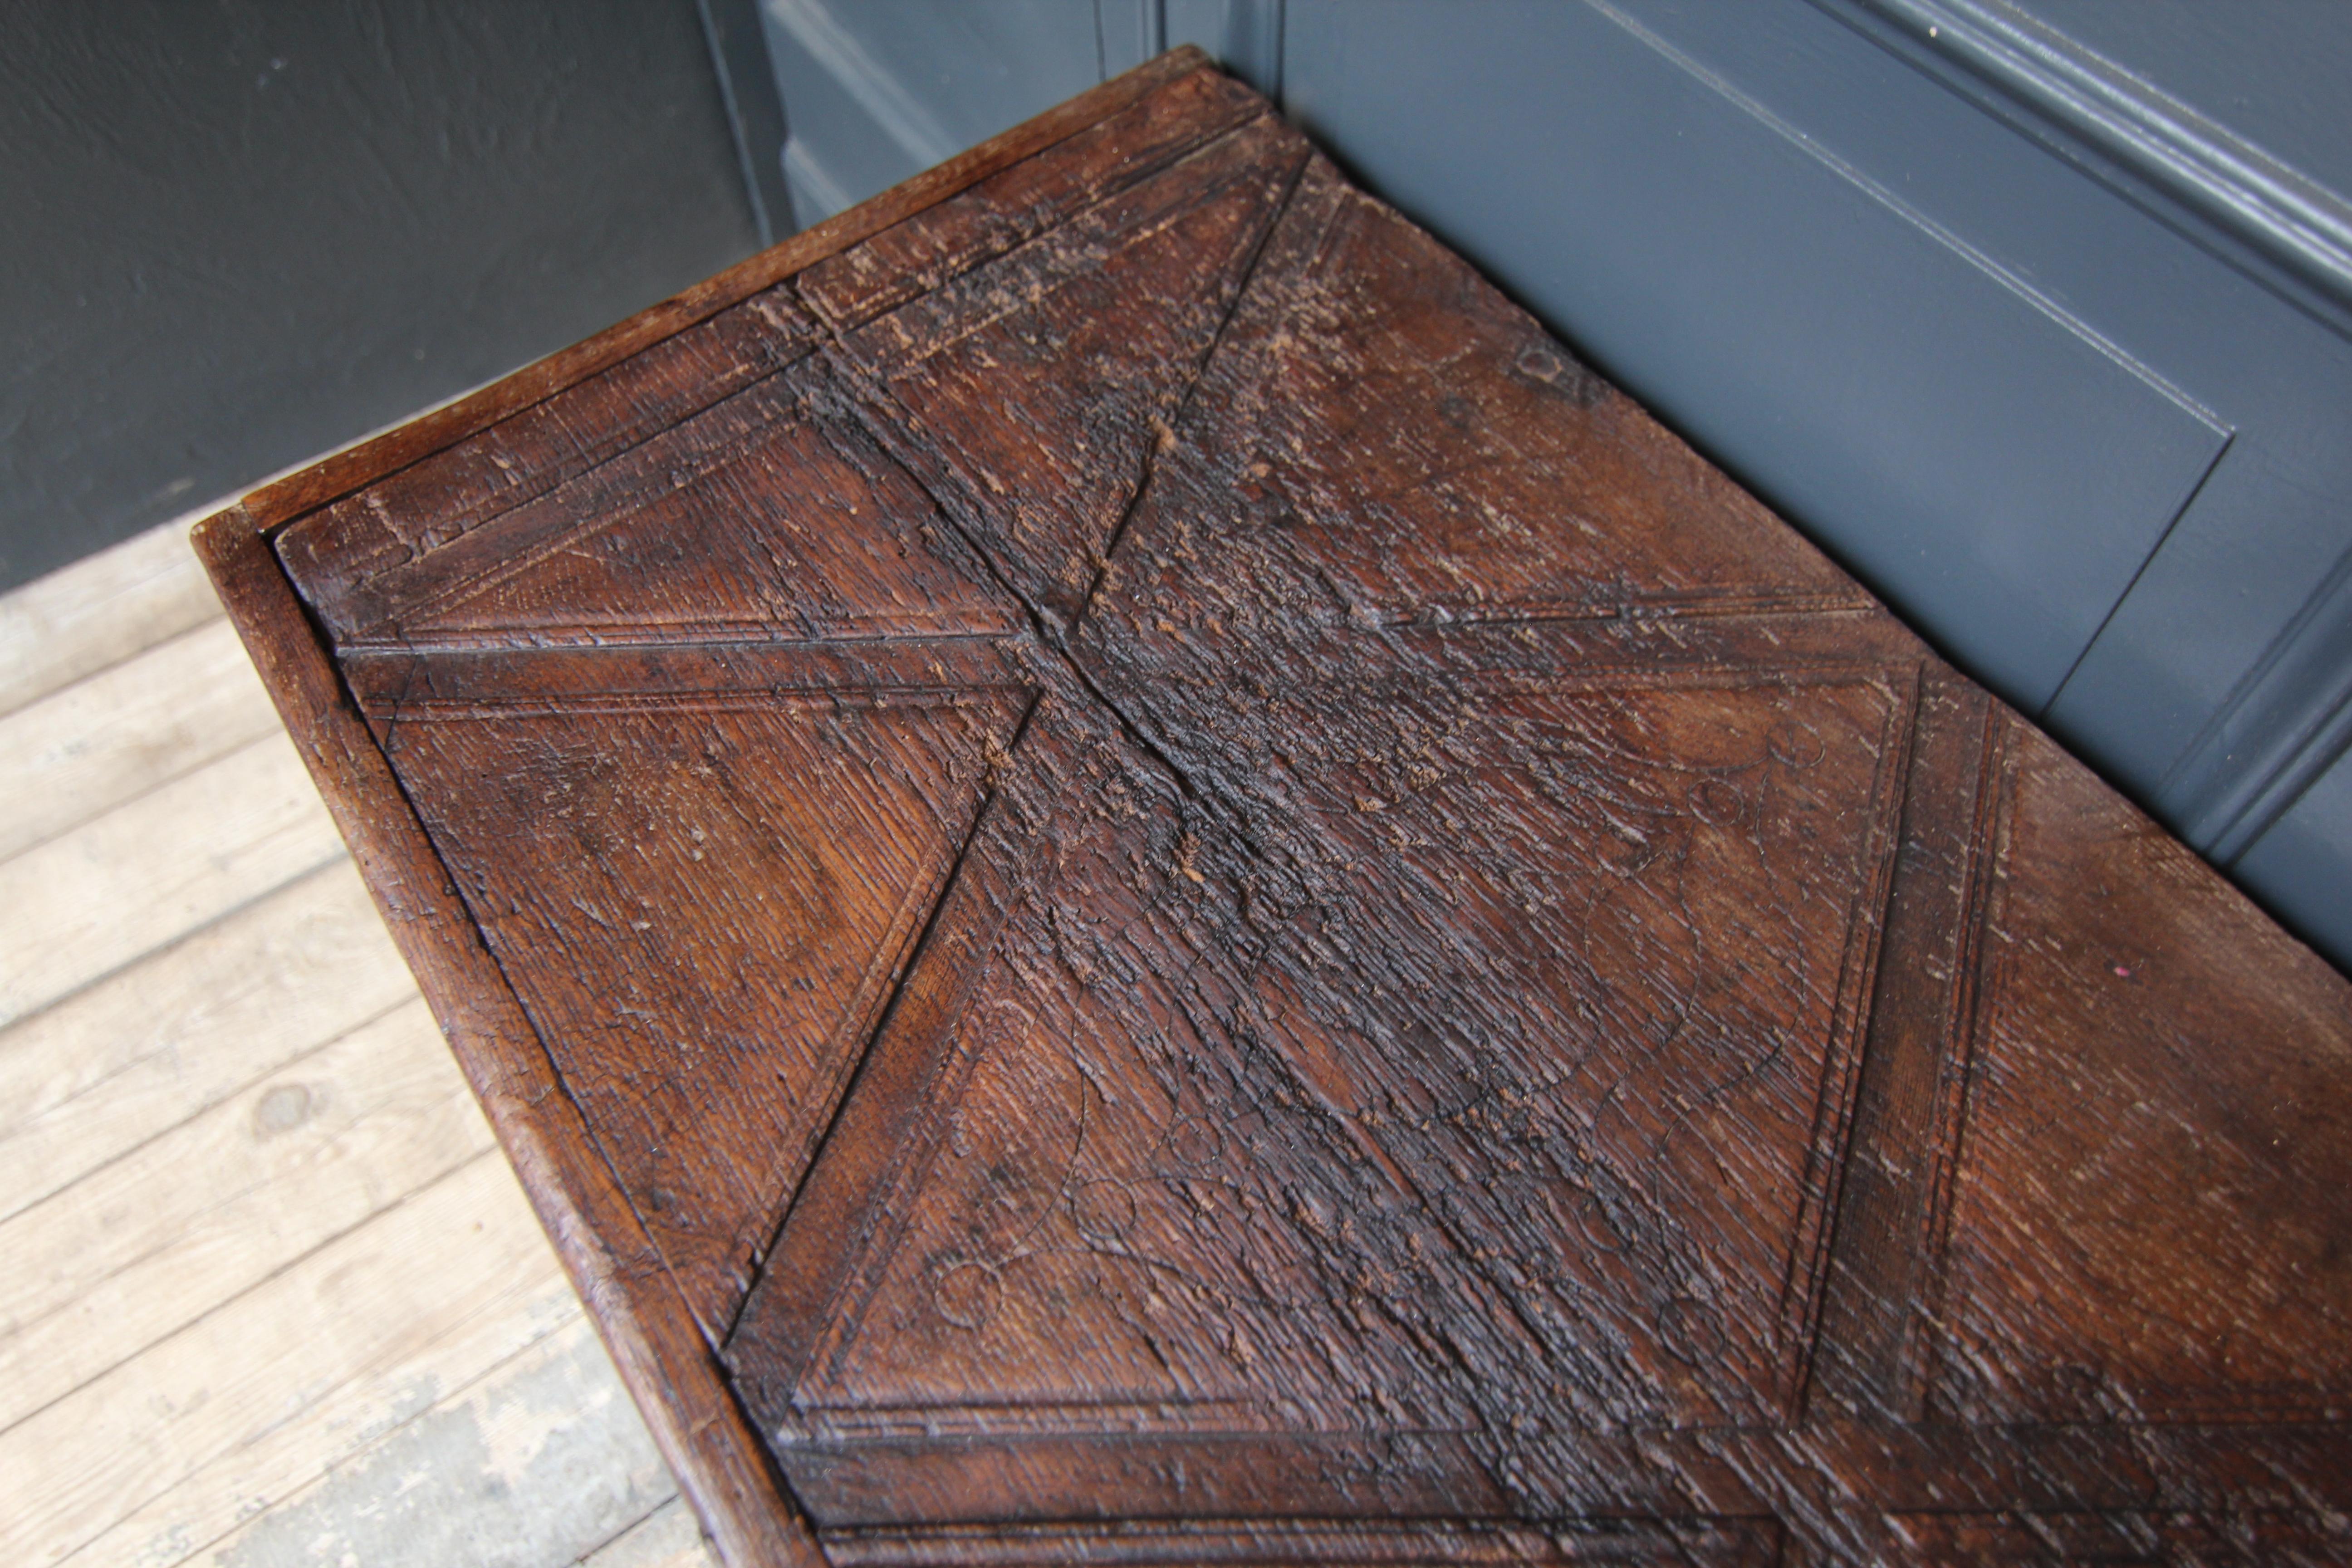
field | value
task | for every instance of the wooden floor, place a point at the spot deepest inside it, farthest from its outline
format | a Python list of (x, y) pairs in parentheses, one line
[(268, 1293)]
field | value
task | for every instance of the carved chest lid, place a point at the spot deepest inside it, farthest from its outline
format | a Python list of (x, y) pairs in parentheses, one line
[(1118, 852)]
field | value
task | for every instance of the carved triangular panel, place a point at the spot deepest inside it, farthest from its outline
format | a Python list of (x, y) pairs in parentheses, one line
[(344, 557), (1037, 390), (2158, 1077), (702, 899), (1383, 438), (768, 515)]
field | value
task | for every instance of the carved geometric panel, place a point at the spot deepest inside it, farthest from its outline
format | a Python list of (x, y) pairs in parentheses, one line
[(1277, 1139), (734, 880), (1033, 400), (769, 515), (1381, 411), (340, 553), (1141, 883)]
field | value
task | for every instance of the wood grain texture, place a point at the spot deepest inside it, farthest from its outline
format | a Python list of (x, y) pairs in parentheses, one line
[(97, 612), (1139, 882), (111, 738), (114, 889), (98, 1075), (128, 1256), (87, 1473), (645, 1323)]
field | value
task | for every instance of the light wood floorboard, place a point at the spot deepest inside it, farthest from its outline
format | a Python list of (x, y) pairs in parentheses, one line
[(118, 733), (154, 1044), (99, 611), (270, 1295), (123, 885)]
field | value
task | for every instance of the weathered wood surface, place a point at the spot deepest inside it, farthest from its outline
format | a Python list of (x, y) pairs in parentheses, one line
[(268, 1297), (1138, 882)]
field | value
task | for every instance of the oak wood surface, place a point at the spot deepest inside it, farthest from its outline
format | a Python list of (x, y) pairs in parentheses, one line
[(1137, 881)]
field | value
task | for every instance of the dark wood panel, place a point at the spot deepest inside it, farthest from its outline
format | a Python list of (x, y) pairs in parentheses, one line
[(338, 550), (1187, 899), (2287, 1540), (1035, 398), (1907, 1115), (768, 515), (735, 888), (1383, 438), (2156, 1101), (709, 1445), (1689, 1544), (1010, 207)]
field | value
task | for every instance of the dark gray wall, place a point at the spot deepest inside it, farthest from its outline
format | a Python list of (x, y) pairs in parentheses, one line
[(2037, 313), (880, 89), (241, 232)]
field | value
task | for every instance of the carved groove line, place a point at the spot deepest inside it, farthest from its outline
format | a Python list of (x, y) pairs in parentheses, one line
[(1827, 1148), (915, 953), (696, 464), (1175, 418), (1964, 1022)]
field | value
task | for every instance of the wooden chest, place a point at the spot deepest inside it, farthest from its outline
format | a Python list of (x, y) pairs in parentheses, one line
[(1138, 882)]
